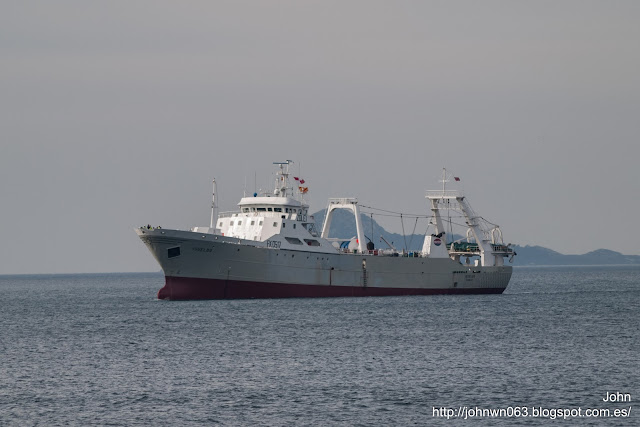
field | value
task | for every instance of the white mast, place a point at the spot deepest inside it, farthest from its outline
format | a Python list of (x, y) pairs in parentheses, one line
[(214, 208), (442, 200), (434, 204), (282, 179)]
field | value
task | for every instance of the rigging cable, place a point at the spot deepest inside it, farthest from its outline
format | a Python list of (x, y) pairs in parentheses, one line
[(397, 213), (450, 218), (403, 235), (371, 228), (450, 222), (413, 232)]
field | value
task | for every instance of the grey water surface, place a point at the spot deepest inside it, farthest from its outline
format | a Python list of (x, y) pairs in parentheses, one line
[(102, 350)]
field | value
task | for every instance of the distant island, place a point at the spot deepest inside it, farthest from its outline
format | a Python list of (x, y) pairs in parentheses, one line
[(344, 225), (538, 255)]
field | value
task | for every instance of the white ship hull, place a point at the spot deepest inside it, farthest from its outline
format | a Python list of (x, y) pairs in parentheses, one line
[(209, 266)]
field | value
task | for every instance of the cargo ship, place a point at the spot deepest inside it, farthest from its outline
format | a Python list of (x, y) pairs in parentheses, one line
[(270, 248)]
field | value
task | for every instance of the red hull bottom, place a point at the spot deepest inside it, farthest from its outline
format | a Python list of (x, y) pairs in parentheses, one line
[(184, 288)]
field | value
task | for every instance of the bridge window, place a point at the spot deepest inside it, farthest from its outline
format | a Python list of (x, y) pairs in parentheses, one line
[(312, 242), (293, 240), (262, 209), (277, 209), (270, 209)]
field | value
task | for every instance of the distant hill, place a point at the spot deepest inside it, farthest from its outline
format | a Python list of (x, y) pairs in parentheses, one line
[(538, 255), (344, 225)]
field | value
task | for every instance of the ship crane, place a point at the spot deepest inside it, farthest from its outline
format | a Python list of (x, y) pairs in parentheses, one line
[(487, 245), (388, 244)]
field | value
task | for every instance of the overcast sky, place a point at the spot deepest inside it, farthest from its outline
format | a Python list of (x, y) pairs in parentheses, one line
[(117, 114)]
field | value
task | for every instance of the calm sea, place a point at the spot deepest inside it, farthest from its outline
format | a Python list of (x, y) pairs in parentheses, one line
[(101, 350)]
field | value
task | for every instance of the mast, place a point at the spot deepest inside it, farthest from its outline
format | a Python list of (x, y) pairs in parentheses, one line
[(435, 209), (282, 178), (442, 200), (214, 208)]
